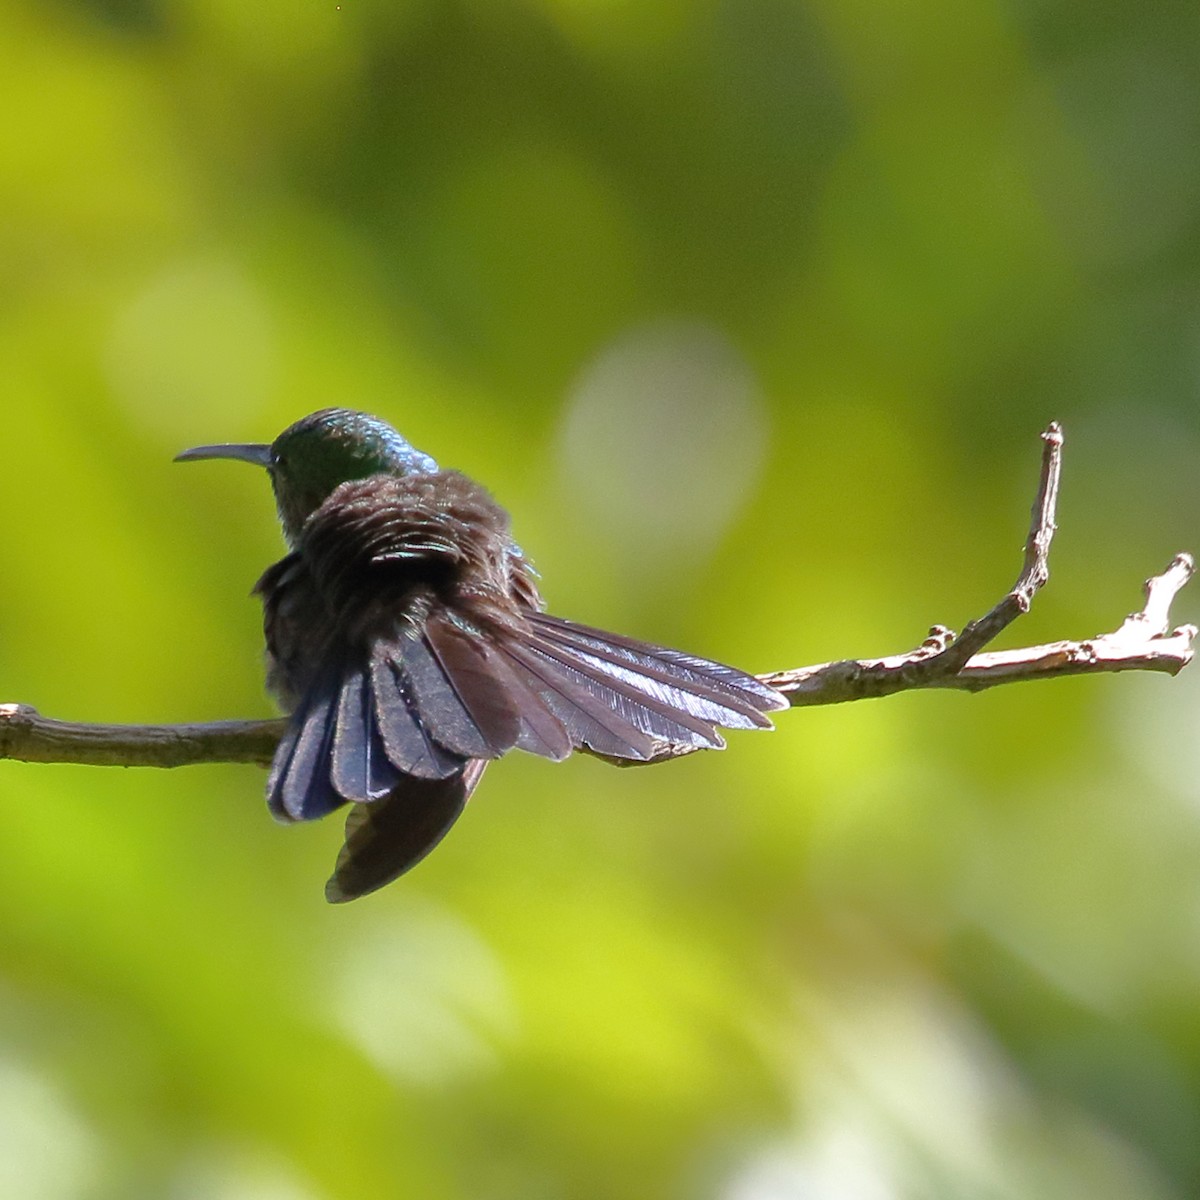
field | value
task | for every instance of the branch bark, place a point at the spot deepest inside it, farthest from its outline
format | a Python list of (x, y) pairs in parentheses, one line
[(1144, 642)]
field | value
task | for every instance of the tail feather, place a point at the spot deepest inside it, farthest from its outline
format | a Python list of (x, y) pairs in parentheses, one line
[(360, 767), (300, 788), (406, 739), (392, 835), (279, 764)]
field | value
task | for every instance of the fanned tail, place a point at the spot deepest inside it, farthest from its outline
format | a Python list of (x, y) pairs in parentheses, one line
[(420, 706)]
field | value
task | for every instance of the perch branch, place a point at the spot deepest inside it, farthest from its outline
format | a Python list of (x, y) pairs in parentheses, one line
[(1144, 642), (28, 736)]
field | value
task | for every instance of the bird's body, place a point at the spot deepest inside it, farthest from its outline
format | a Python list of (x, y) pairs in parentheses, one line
[(405, 636)]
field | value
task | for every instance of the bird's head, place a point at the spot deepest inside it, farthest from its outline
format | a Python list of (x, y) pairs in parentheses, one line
[(316, 454)]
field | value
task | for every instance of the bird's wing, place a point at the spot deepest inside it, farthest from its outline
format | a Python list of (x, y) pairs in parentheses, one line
[(629, 699), (436, 656), (392, 835)]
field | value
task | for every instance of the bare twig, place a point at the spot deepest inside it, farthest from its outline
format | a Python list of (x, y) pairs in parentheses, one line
[(1035, 571), (1144, 642)]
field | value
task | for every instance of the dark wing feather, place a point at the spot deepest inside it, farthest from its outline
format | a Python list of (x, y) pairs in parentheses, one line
[(542, 731), (459, 691), (588, 720), (622, 697), (711, 691), (387, 838), (699, 678), (662, 720)]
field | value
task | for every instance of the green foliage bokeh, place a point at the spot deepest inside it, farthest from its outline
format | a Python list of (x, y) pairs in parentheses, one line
[(751, 313)]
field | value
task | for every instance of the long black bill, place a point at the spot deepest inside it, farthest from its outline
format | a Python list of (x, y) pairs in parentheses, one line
[(251, 452)]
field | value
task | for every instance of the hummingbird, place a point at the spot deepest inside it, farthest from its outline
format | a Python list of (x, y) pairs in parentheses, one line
[(406, 637)]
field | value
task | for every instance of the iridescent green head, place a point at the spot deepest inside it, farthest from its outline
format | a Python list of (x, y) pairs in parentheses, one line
[(316, 454)]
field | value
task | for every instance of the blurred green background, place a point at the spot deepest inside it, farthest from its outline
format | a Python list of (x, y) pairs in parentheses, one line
[(751, 312)]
